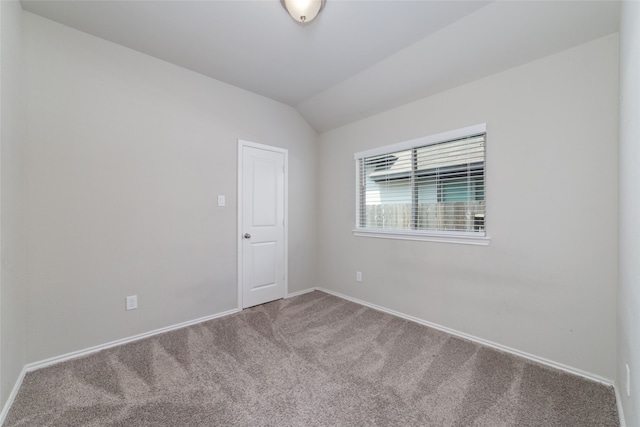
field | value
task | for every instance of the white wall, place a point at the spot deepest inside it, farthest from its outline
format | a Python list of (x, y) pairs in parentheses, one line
[(546, 284), (126, 153), (12, 287), (125, 157), (629, 215)]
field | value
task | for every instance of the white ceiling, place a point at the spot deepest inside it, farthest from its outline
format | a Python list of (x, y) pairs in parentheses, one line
[(356, 59)]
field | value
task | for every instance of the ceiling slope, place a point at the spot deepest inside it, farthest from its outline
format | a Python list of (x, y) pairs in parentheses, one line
[(497, 37), (356, 59), (254, 44)]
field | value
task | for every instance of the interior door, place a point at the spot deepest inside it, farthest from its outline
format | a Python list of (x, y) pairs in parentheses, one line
[(262, 224)]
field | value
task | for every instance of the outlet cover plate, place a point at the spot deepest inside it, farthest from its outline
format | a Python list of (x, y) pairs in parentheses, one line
[(132, 302)]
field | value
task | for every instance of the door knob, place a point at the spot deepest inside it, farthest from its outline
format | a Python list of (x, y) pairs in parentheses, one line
[(247, 235)]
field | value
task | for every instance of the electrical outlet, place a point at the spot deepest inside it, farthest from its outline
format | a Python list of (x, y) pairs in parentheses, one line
[(359, 276), (221, 200), (628, 381), (132, 302)]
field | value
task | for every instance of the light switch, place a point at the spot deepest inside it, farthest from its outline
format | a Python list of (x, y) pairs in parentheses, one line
[(221, 200)]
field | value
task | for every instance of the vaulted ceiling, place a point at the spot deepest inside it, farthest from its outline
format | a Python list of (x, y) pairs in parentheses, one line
[(356, 59)]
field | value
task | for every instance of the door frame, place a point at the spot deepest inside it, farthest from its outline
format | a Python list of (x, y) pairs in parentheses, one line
[(285, 244)]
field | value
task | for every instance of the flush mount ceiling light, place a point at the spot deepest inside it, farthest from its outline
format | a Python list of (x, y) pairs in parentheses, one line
[(303, 10)]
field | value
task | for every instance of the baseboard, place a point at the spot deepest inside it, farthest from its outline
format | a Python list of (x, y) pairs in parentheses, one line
[(12, 396), (532, 357), (80, 353), (296, 294), (623, 422), (537, 359)]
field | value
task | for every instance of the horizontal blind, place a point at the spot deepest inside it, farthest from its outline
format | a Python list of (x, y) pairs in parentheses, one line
[(435, 187)]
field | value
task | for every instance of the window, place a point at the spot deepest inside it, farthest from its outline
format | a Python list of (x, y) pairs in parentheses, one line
[(432, 188)]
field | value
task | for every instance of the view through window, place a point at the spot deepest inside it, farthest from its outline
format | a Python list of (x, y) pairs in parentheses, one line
[(428, 187)]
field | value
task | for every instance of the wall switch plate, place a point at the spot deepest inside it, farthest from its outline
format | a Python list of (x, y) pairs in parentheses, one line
[(221, 200), (132, 302), (359, 276), (628, 380)]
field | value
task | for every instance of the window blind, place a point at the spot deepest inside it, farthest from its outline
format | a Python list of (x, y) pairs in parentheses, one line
[(427, 187)]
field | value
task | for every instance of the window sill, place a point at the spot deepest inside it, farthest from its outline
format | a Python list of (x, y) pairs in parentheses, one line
[(463, 239)]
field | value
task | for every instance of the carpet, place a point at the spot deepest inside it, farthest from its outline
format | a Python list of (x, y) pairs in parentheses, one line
[(311, 360)]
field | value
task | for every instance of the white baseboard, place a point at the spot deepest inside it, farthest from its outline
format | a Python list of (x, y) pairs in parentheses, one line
[(80, 353), (298, 293), (84, 352), (623, 422), (529, 356), (12, 396)]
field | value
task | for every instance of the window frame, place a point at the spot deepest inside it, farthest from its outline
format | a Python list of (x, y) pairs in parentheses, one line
[(461, 237)]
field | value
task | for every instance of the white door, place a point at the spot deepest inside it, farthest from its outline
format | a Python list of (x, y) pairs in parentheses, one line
[(262, 226)]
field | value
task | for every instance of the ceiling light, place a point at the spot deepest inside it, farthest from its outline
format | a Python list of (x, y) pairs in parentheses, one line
[(303, 10)]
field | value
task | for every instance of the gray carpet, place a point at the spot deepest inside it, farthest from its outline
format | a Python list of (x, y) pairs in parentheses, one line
[(312, 360)]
